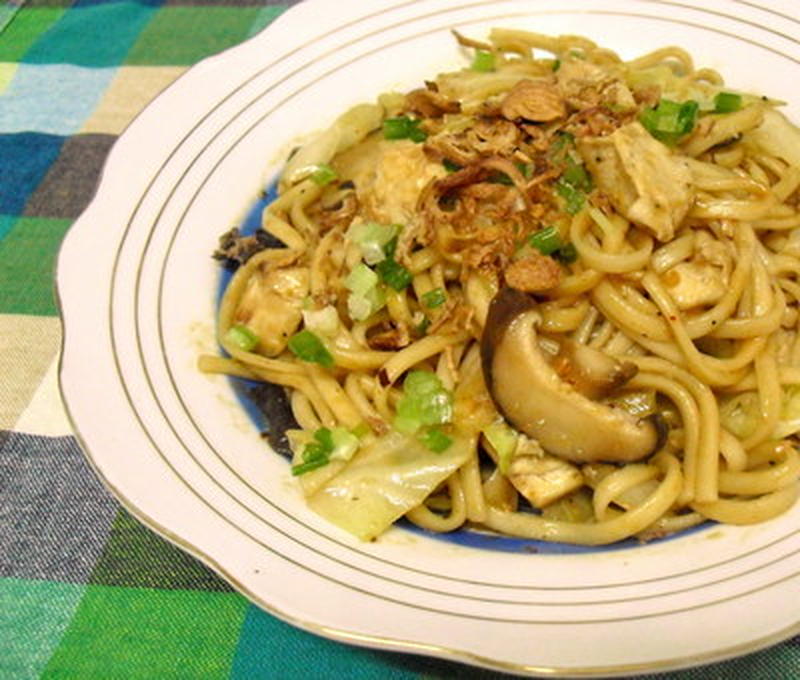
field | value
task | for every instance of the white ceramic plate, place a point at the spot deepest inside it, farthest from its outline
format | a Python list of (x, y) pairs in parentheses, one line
[(181, 453)]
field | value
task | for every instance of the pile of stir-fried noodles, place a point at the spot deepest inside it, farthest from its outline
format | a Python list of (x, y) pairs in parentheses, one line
[(552, 295)]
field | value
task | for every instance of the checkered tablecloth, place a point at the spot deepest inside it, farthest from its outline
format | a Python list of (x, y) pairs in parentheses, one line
[(85, 590)]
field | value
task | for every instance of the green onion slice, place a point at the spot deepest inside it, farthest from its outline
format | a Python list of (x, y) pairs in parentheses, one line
[(324, 174), (483, 61), (574, 198), (727, 102), (393, 274), (361, 279), (241, 336), (434, 298), (547, 241), (308, 347), (669, 121), (372, 238), (566, 254), (403, 127), (425, 401), (435, 440)]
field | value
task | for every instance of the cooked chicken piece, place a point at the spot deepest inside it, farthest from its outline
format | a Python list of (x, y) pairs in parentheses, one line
[(272, 306), (533, 273), (540, 477), (389, 189), (535, 100), (579, 82), (618, 97), (643, 178), (692, 284), (716, 252)]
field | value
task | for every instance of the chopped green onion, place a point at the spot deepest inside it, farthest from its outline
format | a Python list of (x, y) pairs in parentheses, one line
[(727, 102), (345, 444), (329, 444), (396, 128), (450, 166), (372, 238), (308, 347), (503, 439), (547, 241), (324, 174), (669, 121), (403, 127), (573, 197), (393, 274), (556, 64), (390, 248), (417, 383), (576, 175), (361, 306), (566, 254), (435, 440), (316, 454), (434, 298), (483, 61), (308, 466), (323, 321), (417, 135), (422, 326), (241, 336), (562, 140), (425, 401), (361, 279), (324, 437)]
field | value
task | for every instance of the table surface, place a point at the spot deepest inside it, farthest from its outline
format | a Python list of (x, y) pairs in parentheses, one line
[(85, 590)]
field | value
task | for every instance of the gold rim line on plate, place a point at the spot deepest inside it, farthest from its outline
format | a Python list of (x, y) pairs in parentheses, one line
[(207, 559)]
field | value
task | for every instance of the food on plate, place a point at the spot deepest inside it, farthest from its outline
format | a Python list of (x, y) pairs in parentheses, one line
[(553, 294)]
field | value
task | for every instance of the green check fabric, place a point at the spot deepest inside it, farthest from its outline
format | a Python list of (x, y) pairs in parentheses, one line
[(85, 590)]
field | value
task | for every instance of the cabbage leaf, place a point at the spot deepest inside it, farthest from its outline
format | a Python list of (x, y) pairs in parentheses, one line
[(386, 478)]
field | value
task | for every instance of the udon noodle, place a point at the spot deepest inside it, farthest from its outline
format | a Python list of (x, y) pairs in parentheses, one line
[(552, 295)]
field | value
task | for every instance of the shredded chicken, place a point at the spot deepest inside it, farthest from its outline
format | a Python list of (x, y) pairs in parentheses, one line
[(581, 83), (705, 278), (693, 284), (643, 178), (540, 477), (389, 190)]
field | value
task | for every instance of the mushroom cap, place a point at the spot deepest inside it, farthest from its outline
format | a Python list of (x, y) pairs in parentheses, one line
[(536, 400)]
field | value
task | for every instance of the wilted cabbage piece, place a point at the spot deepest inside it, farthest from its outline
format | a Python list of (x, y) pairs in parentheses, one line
[(384, 481), (777, 136), (350, 128)]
